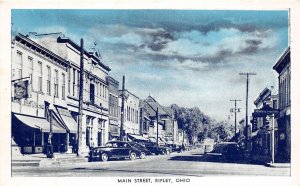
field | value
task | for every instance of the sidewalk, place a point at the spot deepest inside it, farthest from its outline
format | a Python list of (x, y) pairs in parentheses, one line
[(42, 160), (278, 165)]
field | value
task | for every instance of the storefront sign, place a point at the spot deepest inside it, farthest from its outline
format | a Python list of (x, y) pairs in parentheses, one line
[(21, 89)]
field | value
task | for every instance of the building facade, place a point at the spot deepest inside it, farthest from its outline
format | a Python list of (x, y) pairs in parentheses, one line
[(55, 88), (263, 119), (131, 114), (283, 68), (149, 109), (114, 109), (38, 88)]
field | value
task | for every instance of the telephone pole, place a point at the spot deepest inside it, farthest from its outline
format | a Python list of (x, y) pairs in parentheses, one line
[(122, 109), (80, 106), (247, 74), (235, 110), (157, 126)]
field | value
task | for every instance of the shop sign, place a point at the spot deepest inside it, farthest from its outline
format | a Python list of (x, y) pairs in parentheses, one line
[(21, 89)]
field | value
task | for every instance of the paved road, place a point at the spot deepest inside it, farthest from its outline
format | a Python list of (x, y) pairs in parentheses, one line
[(190, 163)]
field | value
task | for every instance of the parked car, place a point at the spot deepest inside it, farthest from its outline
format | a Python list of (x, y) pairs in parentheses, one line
[(157, 149), (143, 149), (176, 148), (115, 149), (228, 150)]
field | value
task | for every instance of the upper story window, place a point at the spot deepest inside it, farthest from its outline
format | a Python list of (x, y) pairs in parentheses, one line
[(40, 76), (56, 84), (63, 86), (73, 86), (69, 80), (92, 93), (49, 80)]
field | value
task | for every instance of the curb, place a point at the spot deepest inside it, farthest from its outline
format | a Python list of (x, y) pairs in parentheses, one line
[(278, 165)]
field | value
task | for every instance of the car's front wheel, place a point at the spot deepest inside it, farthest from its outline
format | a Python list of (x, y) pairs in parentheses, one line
[(132, 156), (104, 157), (142, 155)]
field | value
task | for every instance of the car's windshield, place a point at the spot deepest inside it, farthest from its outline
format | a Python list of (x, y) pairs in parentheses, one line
[(108, 145), (137, 145)]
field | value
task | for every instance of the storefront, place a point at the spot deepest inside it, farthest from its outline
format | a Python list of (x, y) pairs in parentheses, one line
[(31, 134)]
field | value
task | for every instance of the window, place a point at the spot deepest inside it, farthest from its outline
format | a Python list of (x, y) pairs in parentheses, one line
[(49, 80), (78, 83), (40, 80), (56, 84), (19, 63), (69, 81), (92, 93), (74, 75), (63, 86), (275, 104), (30, 66), (100, 89)]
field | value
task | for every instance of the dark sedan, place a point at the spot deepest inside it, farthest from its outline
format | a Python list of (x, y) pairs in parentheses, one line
[(143, 149), (227, 150), (156, 149), (114, 149)]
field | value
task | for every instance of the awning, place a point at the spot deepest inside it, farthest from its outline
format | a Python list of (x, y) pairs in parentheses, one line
[(68, 120), (39, 123), (147, 118), (137, 137), (153, 139)]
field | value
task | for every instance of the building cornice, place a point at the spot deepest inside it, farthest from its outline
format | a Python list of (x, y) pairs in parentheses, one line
[(41, 50)]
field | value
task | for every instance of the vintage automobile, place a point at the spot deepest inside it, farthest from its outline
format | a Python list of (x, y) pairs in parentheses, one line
[(142, 148), (227, 150), (157, 149), (115, 149)]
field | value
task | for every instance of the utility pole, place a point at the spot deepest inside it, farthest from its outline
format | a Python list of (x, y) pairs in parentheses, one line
[(235, 111), (247, 74), (273, 138), (49, 145), (80, 106), (122, 109), (157, 126)]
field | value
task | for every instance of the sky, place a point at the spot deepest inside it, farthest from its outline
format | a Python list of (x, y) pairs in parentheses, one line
[(184, 57)]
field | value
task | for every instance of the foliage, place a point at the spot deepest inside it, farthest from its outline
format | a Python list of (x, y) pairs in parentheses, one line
[(198, 126)]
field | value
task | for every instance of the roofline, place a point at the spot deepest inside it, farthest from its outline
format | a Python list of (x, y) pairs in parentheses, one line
[(76, 46), (261, 94), (26, 39), (281, 58)]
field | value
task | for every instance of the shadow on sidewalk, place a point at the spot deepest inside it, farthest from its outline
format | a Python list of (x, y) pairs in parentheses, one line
[(214, 158)]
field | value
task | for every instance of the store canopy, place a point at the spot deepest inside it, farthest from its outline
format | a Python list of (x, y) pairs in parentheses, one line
[(68, 119), (137, 137), (39, 123), (153, 139)]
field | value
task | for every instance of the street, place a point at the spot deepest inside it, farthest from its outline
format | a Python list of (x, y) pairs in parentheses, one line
[(189, 163)]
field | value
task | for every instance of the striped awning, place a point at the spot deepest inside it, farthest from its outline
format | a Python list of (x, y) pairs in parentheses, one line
[(39, 123)]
